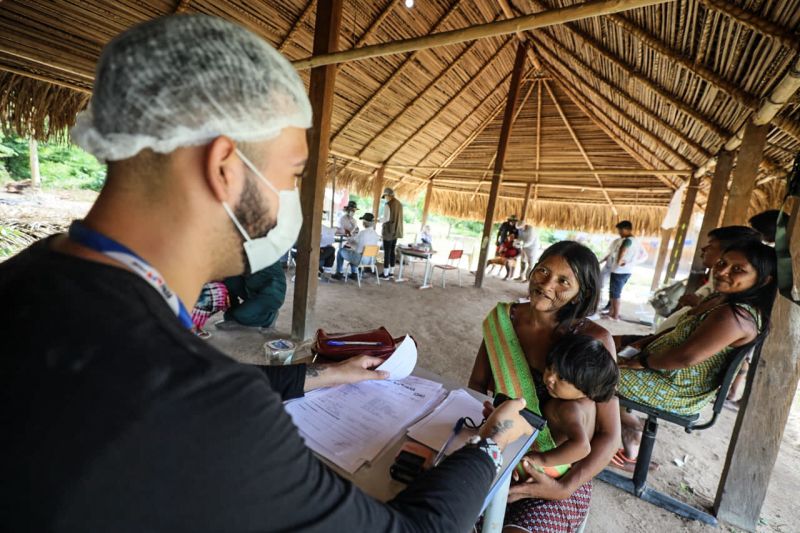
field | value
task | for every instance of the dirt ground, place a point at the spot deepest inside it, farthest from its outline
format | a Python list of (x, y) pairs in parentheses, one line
[(447, 326)]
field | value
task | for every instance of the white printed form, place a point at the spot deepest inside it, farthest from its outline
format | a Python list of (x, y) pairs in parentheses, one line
[(350, 425)]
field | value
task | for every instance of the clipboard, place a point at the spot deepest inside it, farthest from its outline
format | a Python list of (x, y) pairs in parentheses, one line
[(503, 476)]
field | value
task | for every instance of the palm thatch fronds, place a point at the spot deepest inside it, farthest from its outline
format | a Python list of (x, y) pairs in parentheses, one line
[(37, 109)]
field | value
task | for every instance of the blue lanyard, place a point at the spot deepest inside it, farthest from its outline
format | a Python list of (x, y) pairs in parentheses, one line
[(111, 248)]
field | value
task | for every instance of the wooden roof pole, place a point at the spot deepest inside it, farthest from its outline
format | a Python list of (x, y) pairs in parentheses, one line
[(755, 22), (716, 201), (376, 23), (473, 133), (554, 60), (579, 144), (509, 14), (419, 97), (614, 89), (513, 121), (396, 74), (600, 119), (502, 145), (764, 410), (745, 174), (641, 78), (538, 140), (296, 26), (561, 171), (479, 31), (312, 194), (455, 97), (779, 96), (59, 83), (682, 229)]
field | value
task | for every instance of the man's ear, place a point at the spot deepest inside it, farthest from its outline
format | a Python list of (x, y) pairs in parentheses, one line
[(223, 169)]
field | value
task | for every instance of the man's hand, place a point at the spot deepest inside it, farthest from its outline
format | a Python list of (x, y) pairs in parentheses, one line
[(536, 485), (504, 425), (352, 370)]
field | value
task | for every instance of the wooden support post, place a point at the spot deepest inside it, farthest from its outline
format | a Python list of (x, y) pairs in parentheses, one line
[(662, 257), (33, 149), (763, 412), (682, 229), (524, 214), (377, 190), (427, 205), (502, 145), (312, 194), (333, 194), (716, 199), (745, 174)]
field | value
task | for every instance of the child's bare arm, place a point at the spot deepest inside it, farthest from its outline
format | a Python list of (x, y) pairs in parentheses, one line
[(569, 423)]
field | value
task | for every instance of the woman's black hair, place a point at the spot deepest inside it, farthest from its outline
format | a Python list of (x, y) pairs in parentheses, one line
[(585, 362), (762, 294), (586, 268)]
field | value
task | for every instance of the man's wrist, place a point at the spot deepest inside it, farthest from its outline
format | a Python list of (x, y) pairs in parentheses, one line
[(317, 376)]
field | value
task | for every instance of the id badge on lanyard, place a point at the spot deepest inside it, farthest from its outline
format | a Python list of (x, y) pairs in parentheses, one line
[(111, 248)]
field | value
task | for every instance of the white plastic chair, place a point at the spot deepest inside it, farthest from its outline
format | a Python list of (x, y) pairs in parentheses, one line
[(370, 252)]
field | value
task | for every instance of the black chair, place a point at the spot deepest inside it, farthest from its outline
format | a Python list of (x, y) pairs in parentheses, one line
[(638, 484)]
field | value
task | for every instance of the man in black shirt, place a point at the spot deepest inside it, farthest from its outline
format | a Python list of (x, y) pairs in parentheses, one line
[(114, 416)]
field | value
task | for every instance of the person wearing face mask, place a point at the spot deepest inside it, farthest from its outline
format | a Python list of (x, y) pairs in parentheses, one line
[(348, 225), (119, 418)]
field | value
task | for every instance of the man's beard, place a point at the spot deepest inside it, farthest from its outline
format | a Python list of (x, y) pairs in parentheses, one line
[(253, 216)]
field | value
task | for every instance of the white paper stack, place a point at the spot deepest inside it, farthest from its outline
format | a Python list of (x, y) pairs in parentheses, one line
[(434, 430), (350, 425)]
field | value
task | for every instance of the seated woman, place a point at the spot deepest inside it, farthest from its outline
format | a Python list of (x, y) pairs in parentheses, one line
[(512, 359), (680, 370)]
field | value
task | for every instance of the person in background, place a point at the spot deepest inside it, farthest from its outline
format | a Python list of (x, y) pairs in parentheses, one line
[(680, 370), (505, 256), (425, 236), (348, 225), (391, 230), (255, 299), (529, 245), (766, 224), (509, 226), (213, 299), (624, 252), (718, 240), (354, 247), (327, 252)]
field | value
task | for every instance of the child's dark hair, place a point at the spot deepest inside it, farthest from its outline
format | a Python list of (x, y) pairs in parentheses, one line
[(585, 362)]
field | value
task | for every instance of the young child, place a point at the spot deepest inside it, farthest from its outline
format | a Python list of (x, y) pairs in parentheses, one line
[(580, 371)]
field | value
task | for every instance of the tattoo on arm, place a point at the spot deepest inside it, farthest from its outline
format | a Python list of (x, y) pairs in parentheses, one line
[(313, 370), (499, 428)]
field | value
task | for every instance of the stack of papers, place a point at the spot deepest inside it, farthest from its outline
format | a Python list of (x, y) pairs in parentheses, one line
[(434, 430), (350, 425)]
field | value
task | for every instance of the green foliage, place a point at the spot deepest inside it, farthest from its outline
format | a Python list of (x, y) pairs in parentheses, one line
[(61, 165)]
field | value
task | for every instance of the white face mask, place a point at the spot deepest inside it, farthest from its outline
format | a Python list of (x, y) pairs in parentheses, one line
[(265, 251)]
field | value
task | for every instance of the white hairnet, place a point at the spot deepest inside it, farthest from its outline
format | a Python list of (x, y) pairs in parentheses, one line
[(184, 80)]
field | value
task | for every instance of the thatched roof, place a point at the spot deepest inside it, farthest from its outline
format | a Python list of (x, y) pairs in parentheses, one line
[(662, 87)]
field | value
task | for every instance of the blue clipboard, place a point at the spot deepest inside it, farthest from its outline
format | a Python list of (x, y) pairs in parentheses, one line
[(509, 468)]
